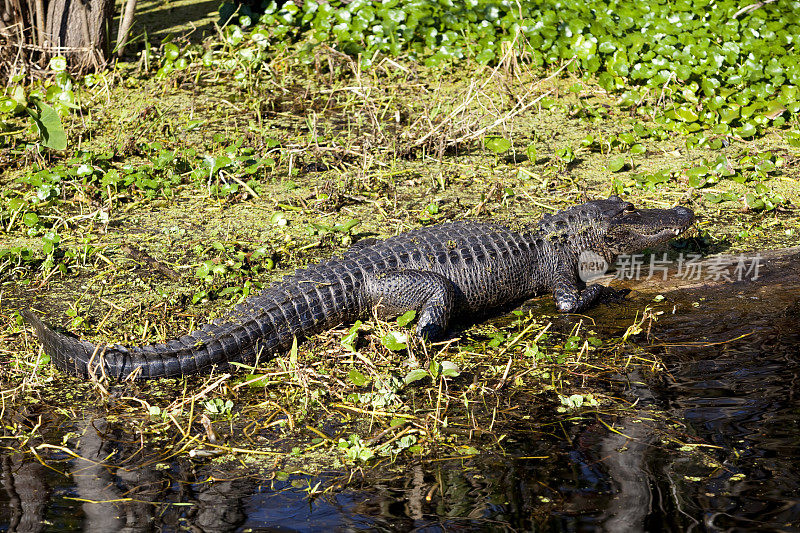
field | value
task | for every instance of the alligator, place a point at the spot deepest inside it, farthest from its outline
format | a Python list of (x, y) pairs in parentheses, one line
[(443, 272)]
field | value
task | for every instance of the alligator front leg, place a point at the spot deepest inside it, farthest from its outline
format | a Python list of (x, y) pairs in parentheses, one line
[(571, 300), (567, 296), (430, 294)]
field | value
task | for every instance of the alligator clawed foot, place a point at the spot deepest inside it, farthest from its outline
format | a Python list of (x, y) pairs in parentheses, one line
[(430, 332), (610, 295)]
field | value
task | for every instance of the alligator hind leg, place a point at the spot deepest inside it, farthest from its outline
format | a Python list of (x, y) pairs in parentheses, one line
[(430, 294)]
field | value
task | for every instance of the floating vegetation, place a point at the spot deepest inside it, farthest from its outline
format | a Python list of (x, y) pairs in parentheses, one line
[(694, 64)]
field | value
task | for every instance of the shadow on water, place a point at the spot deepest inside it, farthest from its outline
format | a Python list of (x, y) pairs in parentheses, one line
[(712, 444), (161, 19), (731, 386), (733, 376)]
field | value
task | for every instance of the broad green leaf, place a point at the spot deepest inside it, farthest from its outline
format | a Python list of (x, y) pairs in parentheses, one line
[(686, 114), (697, 171), (583, 46), (50, 128), (497, 145), (747, 130), (256, 381), (8, 106), (530, 151), (357, 378), (349, 340), (58, 63), (30, 219), (697, 182), (171, 52), (638, 149), (278, 218), (18, 95), (450, 369), (616, 164), (404, 319), (415, 375), (729, 114), (395, 341), (347, 226), (753, 202)]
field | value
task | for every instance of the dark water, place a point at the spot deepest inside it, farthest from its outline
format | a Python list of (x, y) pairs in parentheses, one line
[(730, 394)]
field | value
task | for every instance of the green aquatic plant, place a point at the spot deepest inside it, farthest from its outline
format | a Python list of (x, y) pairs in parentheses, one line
[(694, 64)]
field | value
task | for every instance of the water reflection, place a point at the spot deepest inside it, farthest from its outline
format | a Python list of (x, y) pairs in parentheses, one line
[(26, 495), (742, 396)]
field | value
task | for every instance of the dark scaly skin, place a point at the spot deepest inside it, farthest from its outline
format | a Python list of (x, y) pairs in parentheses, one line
[(452, 270)]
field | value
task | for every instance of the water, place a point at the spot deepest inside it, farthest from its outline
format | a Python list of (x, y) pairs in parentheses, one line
[(741, 396), (713, 444)]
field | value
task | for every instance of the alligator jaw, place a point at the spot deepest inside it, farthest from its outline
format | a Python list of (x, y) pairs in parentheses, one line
[(667, 233)]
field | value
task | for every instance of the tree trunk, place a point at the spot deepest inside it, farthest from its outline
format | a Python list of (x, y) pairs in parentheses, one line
[(33, 31), (79, 30)]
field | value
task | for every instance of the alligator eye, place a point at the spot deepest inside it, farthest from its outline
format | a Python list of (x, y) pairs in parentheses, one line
[(630, 209)]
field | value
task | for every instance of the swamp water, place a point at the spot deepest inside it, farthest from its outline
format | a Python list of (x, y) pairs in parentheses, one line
[(711, 444)]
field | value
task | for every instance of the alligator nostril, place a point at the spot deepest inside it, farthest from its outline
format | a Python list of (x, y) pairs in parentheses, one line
[(684, 212)]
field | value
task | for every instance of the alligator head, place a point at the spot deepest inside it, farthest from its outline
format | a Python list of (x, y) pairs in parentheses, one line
[(628, 230), (614, 227)]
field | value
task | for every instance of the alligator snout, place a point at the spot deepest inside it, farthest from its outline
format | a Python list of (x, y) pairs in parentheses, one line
[(684, 214)]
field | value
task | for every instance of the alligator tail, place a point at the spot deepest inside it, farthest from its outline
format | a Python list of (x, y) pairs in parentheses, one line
[(61, 348), (215, 345), (257, 331)]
